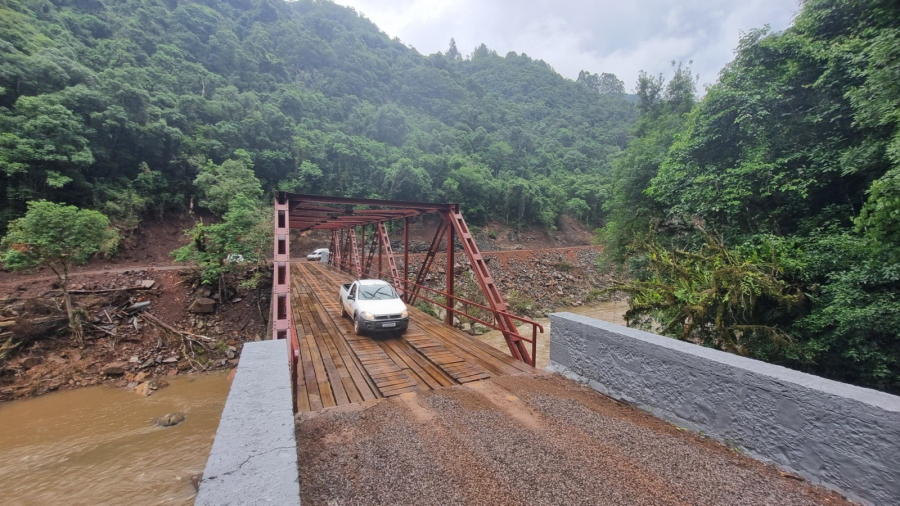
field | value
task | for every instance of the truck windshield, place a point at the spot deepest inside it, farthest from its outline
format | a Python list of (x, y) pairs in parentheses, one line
[(377, 292)]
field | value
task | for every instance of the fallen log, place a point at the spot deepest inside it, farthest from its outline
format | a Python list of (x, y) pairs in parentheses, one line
[(155, 321), (108, 290)]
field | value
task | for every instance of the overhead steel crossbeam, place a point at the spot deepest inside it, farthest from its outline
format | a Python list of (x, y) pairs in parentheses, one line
[(316, 212)]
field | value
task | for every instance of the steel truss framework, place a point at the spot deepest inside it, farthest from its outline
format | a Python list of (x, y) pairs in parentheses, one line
[(344, 216)]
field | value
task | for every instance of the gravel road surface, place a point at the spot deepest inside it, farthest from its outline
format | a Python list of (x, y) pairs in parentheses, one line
[(525, 440)]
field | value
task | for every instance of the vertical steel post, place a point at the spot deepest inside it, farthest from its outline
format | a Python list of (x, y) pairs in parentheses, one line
[(451, 260), (362, 245), (406, 258), (281, 288)]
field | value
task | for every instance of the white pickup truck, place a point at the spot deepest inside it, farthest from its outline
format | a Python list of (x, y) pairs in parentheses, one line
[(373, 305)]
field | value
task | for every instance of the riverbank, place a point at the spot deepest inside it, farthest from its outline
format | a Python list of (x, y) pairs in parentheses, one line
[(137, 338)]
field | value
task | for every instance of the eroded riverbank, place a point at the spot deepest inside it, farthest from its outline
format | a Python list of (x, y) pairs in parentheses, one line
[(100, 445)]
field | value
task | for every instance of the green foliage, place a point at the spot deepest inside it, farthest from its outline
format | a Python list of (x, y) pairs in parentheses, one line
[(57, 236), (245, 229), (116, 95), (712, 296), (880, 216), (220, 185), (793, 151)]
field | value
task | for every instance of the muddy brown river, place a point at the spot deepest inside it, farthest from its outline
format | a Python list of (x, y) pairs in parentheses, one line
[(99, 445)]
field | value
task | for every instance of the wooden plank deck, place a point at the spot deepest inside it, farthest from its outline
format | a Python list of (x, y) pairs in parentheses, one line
[(338, 367)]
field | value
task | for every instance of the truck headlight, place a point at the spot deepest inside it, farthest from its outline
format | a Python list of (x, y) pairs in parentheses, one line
[(366, 315), (404, 314)]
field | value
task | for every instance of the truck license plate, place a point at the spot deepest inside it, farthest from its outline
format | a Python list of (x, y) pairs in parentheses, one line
[(389, 324)]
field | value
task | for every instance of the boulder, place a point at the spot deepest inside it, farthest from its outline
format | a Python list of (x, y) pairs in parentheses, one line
[(202, 305), (142, 389), (170, 420), (114, 368), (30, 362)]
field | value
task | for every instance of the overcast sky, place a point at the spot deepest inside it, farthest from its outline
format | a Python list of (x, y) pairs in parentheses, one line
[(618, 36)]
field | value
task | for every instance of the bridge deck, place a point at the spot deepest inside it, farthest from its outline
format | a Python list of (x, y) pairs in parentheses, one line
[(337, 367)]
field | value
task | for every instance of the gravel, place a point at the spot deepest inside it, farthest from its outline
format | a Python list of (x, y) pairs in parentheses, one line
[(525, 440)]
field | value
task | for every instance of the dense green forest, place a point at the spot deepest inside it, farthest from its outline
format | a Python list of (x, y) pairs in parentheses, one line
[(761, 216), (764, 219), (119, 105)]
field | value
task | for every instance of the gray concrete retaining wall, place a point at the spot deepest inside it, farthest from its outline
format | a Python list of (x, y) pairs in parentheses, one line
[(839, 435), (254, 456)]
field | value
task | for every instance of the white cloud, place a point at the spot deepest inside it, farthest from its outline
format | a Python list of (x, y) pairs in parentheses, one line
[(619, 36)]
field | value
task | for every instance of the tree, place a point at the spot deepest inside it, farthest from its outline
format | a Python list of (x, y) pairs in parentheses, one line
[(220, 184), (453, 52), (58, 236)]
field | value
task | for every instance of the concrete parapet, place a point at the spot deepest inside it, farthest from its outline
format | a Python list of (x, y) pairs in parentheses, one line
[(254, 456), (842, 436)]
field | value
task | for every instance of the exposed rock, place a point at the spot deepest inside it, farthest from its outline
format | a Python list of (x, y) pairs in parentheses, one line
[(229, 354), (202, 305), (114, 368), (142, 389), (147, 283), (30, 362), (204, 291), (171, 420)]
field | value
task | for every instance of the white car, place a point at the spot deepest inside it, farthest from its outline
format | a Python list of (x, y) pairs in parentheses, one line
[(317, 255), (374, 306)]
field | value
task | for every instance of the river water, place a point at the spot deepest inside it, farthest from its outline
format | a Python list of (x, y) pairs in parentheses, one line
[(611, 311), (100, 445)]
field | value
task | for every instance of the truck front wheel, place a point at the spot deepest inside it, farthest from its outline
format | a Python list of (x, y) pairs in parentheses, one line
[(357, 328)]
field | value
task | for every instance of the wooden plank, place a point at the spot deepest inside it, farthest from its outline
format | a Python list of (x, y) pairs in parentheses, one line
[(339, 373), (361, 382), (405, 353), (321, 376), (302, 395), (315, 400)]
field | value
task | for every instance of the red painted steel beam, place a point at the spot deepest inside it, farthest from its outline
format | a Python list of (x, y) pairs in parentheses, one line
[(427, 261), (389, 253), (371, 256), (495, 300), (451, 260), (354, 254), (406, 258), (319, 199)]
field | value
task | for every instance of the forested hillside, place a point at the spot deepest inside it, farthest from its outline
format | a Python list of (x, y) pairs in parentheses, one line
[(119, 105), (765, 218)]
